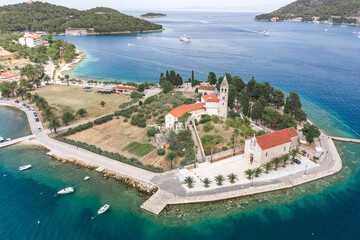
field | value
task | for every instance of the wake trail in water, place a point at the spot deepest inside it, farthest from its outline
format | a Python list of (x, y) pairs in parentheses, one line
[(237, 28)]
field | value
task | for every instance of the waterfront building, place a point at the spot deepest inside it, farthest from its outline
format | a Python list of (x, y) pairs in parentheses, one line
[(260, 150), (215, 104), (8, 76), (31, 40), (124, 89)]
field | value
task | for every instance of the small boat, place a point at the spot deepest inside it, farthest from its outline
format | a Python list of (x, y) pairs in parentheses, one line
[(23, 168), (86, 178), (356, 32), (1, 139), (130, 44), (185, 38), (103, 209), (326, 30), (266, 33), (66, 190), (8, 139)]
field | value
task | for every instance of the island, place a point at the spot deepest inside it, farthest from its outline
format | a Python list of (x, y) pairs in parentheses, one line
[(325, 11), (153, 15), (54, 19)]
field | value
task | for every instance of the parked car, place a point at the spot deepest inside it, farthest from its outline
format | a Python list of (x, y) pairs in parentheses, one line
[(39, 129), (16, 101), (36, 119), (24, 104), (297, 161)]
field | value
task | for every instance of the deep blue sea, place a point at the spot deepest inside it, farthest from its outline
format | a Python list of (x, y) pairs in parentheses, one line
[(323, 67)]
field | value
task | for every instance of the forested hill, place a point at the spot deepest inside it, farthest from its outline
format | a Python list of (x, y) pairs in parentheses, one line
[(324, 9), (51, 18)]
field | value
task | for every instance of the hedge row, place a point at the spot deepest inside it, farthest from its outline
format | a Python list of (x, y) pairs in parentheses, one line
[(103, 119), (79, 128), (116, 156)]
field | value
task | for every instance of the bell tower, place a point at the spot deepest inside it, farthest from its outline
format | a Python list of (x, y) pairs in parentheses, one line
[(223, 98)]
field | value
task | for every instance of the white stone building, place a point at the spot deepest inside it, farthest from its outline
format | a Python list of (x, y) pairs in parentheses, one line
[(260, 150), (31, 40), (215, 104)]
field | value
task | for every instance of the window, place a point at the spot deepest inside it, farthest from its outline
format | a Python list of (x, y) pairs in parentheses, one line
[(284, 149)]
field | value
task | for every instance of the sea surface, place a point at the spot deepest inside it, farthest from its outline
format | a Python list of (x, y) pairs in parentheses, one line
[(323, 67)]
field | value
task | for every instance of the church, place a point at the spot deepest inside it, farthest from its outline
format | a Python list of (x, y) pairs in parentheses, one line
[(215, 104)]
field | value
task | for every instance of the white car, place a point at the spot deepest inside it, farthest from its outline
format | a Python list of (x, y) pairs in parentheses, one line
[(39, 129)]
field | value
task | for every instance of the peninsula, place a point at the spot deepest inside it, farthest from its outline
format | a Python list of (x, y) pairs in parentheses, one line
[(54, 19), (326, 11)]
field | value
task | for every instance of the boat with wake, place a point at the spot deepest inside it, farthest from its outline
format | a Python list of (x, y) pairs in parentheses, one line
[(66, 190), (23, 168), (185, 38), (266, 33)]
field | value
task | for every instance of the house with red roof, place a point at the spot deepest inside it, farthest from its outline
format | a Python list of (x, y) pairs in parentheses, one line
[(261, 149), (206, 89), (8, 76), (31, 40), (210, 104), (125, 89)]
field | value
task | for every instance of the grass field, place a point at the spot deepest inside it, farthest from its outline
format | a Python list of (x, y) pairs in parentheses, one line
[(71, 98), (139, 149), (115, 135)]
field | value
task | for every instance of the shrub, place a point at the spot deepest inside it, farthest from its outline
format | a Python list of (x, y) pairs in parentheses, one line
[(215, 119), (79, 128), (125, 120), (161, 152), (224, 148), (205, 118), (152, 131), (138, 120), (155, 114), (208, 127), (233, 115), (148, 116), (103, 119)]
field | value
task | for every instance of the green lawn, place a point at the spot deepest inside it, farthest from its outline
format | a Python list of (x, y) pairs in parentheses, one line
[(139, 149), (71, 98)]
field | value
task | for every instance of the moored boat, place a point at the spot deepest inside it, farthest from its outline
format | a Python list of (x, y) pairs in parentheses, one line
[(1, 139), (66, 190), (23, 168), (86, 178), (185, 38), (266, 33), (103, 209)]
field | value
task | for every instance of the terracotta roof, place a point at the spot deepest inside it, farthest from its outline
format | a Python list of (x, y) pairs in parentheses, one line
[(207, 88), (276, 138), (213, 100), (179, 111), (9, 75), (129, 88)]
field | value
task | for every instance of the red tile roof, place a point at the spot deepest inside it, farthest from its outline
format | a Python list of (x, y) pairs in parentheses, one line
[(276, 138), (210, 98), (207, 88), (179, 111), (128, 88)]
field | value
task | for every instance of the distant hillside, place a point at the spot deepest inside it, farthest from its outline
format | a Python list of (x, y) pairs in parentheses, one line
[(153, 15), (51, 18), (339, 11)]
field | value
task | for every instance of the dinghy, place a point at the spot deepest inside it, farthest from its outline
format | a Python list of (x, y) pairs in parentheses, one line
[(23, 168)]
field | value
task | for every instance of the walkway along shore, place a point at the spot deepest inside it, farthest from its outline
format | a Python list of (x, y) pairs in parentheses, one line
[(168, 190)]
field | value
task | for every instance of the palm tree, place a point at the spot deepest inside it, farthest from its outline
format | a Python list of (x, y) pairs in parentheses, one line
[(232, 177), (206, 182), (41, 103), (34, 98), (21, 92), (284, 158), (28, 96), (37, 82), (294, 153), (102, 103), (268, 167), (5, 91), (219, 179), (258, 171), (249, 173), (46, 79), (29, 85), (67, 77), (170, 157), (47, 114), (189, 181), (81, 112), (54, 124), (276, 161), (12, 87)]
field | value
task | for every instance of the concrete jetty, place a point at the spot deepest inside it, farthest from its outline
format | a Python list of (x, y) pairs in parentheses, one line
[(350, 140), (15, 141)]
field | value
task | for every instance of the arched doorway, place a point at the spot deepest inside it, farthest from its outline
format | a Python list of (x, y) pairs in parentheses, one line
[(251, 158)]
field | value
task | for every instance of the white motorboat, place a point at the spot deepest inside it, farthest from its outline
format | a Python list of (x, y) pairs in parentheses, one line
[(1, 139), (8, 139), (86, 178), (185, 38), (66, 190), (103, 209), (358, 36), (326, 30), (23, 168), (266, 33)]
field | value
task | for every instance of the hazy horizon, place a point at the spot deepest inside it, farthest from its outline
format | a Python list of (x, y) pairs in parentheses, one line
[(163, 5)]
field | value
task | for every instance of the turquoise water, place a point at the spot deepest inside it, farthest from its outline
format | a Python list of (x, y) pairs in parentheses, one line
[(322, 67), (13, 123)]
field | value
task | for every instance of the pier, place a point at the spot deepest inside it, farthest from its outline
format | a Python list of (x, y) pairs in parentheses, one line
[(349, 140), (15, 141)]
